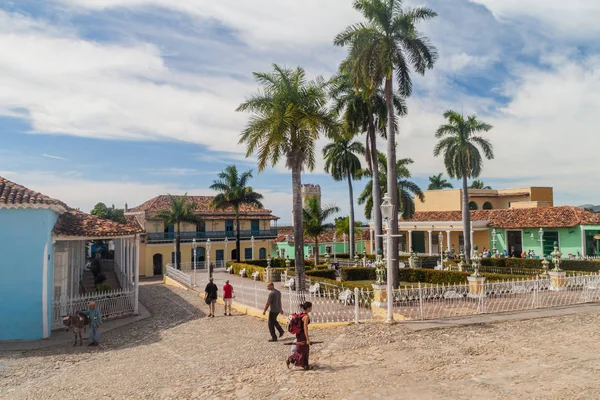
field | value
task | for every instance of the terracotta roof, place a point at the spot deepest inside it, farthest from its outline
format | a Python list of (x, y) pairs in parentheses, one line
[(13, 195), (77, 223), (540, 217), (325, 237), (202, 207), (516, 194)]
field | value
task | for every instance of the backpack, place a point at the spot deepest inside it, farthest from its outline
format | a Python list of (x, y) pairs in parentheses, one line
[(295, 323)]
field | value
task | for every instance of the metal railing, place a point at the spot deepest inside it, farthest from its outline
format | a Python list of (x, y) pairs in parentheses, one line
[(188, 236), (179, 275), (112, 304)]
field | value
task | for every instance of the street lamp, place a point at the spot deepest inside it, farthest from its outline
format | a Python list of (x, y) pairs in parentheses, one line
[(387, 213), (541, 234), (441, 247), (194, 246), (252, 241), (494, 241), (208, 257), (226, 242), (334, 250)]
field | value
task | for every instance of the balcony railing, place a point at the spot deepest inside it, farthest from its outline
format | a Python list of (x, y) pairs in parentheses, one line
[(213, 235)]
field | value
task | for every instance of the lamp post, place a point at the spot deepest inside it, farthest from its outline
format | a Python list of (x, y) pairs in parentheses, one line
[(194, 246), (387, 213), (345, 249), (208, 257), (541, 235), (226, 242), (334, 250), (252, 241), (175, 253), (494, 241), (441, 247)]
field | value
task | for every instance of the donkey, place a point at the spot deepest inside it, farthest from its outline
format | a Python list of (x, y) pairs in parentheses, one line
[(78, 323)]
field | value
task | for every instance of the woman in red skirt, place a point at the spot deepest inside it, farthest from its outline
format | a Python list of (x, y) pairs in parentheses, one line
[(300, 357)]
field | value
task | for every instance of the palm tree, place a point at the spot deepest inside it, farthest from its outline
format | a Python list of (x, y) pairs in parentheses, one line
[(458, 143), (364, 111), (289, 113), (234, 193), (388, 43), (438, 182), (181, 210), (407, 190), (314, 221), (341, 161), (478, 184), (342, 226)]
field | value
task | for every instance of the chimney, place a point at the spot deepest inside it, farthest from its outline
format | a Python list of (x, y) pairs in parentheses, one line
[(126, 207)]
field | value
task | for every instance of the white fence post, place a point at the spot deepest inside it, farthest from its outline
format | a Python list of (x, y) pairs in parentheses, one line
[(421, 301), (356, 306)]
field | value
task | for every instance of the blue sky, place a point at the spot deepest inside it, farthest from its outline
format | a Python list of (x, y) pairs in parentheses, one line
[(122, 100)]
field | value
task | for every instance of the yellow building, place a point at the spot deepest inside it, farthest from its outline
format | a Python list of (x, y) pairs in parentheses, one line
[(214, 235)]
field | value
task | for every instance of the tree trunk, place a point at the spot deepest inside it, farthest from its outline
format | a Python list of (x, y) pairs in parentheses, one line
[(376, 187), (298, 228), (178, 247), (237, 236), (351, 194), (392, 181), (466, 215), (316, 255)]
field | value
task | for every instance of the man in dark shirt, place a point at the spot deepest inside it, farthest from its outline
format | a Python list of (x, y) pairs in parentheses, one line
[(210, 296), (274, 302)]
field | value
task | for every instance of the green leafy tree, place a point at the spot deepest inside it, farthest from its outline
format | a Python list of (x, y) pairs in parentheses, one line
[(315, 216), (342, 226), (289, 113), (100, 210), (407, 190), (181, 210), (342, 162), (234, 193), (438, 182), (459, 143), (364, 111), (387, 44), (478, 184)]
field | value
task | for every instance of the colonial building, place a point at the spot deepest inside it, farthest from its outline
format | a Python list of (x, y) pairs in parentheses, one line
[(214, 234), (329, 243)]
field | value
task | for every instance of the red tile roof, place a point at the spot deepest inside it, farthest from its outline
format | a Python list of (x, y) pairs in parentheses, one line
[(77, 223), (13, 195), (541, 217), (203, 208)]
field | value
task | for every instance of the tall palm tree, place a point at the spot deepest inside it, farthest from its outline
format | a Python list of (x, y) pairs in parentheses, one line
[(234, 193), (289, 114), (364, 111), (407, 190), (182, 210), (478, 184), (438, 182), (388, 43), (342, 162), (462, 159), (314, 221)]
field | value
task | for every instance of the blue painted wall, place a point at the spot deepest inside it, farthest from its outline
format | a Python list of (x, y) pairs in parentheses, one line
[(23, 235)]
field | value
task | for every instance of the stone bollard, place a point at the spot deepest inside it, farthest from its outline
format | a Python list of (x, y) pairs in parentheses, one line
[(379, 303), (476, 281)]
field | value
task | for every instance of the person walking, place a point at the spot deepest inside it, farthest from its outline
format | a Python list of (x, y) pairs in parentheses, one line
[(95, 317), (227, 296), (300, 356), (275, 308), (210, 296)]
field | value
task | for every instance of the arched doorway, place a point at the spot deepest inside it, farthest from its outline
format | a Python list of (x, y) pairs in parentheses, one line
[(157, 262), (262, 253), (473, 206), (233, 255), (487, 206)]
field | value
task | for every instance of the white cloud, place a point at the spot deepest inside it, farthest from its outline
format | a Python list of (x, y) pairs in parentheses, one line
[(53, 157)]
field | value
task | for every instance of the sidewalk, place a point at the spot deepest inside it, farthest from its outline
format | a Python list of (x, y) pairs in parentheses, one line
[(61, 336)]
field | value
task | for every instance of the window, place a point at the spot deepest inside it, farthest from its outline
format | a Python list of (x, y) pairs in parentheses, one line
[(282, 253), (549, 238), (228, 225), (262, 253), (200, 254), (201, 226), (488, 206), (328, 249), (248, 253), (220, 255), (473, 206), (255, 226)]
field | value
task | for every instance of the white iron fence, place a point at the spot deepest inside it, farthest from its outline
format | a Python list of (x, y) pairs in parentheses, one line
[(178, 275), (112, 304)]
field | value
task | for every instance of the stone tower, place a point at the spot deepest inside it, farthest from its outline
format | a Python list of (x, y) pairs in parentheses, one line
[(308, 191)]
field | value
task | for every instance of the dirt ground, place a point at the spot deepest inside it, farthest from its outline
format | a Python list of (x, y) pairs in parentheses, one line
[(179, 354)]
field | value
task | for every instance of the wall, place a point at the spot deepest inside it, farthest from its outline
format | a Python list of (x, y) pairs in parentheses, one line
[(24, 233), (569, 240), (340, 248), (440, 200), (544, 194)]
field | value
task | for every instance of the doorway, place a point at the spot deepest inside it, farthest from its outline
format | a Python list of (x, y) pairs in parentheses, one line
[(514, 243), (157, 262)]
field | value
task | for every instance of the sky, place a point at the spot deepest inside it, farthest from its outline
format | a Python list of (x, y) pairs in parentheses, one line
[(118, 101)]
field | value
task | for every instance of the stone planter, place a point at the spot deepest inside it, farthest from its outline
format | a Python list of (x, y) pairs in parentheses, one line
[(558, 280), (379, 296), (476, 286)]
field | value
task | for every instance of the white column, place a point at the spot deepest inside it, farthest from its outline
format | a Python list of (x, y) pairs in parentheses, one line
[(431, 242), (136, 274), (472, 244), (448, 245), (410, 241)]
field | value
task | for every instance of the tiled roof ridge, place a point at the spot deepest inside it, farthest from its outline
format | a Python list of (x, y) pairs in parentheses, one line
[(16, 195)]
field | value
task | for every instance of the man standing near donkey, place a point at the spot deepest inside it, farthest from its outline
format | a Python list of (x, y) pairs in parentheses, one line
[(274, 303)]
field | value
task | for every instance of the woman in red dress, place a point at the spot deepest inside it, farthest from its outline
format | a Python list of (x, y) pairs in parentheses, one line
[(300, 357)]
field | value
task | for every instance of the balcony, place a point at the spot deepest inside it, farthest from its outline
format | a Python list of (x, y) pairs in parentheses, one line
[(163, 237)]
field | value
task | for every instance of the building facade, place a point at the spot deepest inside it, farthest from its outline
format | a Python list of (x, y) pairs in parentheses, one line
[(329, 243), (214, 235)]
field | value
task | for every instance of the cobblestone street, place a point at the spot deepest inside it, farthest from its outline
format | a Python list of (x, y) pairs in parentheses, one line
[(178, 353)]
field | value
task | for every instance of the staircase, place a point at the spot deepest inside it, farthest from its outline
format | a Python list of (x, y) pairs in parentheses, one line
[(87, 281)]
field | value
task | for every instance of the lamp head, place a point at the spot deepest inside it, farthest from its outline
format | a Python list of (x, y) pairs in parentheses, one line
[(387, 208)]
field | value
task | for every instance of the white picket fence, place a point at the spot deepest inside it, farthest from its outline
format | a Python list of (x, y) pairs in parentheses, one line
[(112, 304), (178, 275)]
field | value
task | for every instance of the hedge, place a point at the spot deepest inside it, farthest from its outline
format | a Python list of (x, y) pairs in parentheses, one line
[(358, 274), (322, 273), (277, 263), (445, 277), (250, 269), (567, 265)]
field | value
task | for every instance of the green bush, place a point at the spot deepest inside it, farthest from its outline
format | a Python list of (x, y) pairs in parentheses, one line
[(103, 287), (567, 265), (346, 256), (322, 273), (432, 276), (276, 263), (358, 274)]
